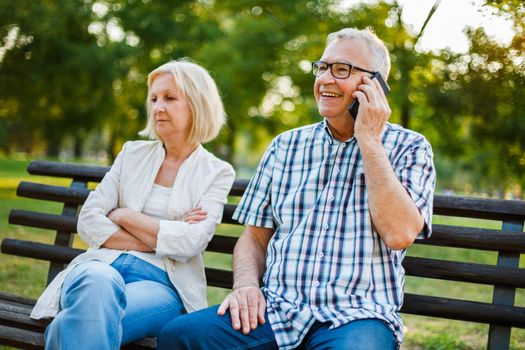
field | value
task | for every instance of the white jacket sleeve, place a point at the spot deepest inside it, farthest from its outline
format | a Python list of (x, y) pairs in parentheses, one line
[(181, 241), (93, 225)]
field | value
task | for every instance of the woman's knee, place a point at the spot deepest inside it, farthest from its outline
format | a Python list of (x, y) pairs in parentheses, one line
[(92, 280)]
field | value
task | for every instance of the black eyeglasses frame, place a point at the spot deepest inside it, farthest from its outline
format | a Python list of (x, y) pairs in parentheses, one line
[(330, 65)]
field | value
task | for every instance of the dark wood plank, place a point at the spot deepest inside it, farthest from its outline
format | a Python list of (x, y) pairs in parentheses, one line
[(222, 244), (21, 338), (43, 220), (39, 251), (464, 272), (95, 173), (5, 297), (504, 294), (84, 172), (227, 215), (219, 278), (480, 208), (475, 238), (238, 187), (70, 195), (462, 310)]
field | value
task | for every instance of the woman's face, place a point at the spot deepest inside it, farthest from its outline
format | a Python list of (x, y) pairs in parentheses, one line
[(170, 109)]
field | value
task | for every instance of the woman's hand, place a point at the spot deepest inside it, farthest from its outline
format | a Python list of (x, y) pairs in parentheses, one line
[(195, 216)]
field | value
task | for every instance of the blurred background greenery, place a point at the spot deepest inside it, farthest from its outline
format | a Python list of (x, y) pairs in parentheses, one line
[(72, 87), (73, 73)]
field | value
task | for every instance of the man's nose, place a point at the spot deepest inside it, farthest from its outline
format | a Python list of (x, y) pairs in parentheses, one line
[(326, 76)]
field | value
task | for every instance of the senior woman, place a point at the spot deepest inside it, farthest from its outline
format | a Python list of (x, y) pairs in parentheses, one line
[(147, 223)]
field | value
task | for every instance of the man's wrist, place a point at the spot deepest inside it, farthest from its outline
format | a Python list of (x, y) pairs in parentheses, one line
[(245, 285)]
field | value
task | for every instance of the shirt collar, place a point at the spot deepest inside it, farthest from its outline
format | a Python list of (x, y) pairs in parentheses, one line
[(330, 138)]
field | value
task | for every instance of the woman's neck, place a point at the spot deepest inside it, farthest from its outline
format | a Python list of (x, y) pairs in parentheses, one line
[(178, 152)]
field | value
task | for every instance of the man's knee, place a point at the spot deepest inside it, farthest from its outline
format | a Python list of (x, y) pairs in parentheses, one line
[(180, 333), (196, 330), (357, 334)]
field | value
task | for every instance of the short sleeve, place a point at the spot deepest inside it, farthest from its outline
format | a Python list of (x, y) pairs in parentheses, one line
[(255, 206), (415, 170)]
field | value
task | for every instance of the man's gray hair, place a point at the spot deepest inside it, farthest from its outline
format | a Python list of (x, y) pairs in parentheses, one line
[(380, 57)]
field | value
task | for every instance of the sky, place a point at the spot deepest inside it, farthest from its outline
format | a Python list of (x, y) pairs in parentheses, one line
[(445, 28)]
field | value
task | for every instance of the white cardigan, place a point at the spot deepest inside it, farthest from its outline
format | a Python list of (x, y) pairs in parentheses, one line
[(203, 180)]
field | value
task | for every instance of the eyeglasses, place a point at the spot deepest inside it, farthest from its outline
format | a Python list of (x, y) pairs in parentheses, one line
[(339, 70)]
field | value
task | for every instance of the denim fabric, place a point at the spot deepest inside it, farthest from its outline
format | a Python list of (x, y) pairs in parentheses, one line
[(105, 306), (205, 330)]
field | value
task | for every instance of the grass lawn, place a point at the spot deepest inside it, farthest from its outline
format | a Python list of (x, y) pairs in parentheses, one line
[(27, 277)]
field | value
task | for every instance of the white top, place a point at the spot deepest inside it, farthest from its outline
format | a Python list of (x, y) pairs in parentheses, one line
[(203, 180), (156, 206)]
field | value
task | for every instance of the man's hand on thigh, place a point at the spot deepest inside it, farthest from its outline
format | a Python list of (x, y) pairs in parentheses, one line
[(247, 307)]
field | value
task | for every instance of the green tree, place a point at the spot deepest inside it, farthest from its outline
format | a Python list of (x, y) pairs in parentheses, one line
[(477, 100), (56, 79)]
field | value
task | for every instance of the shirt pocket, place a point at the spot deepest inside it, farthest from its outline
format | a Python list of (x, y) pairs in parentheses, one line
[(358, 201)]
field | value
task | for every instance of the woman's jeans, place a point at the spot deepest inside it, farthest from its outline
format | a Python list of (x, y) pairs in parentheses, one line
[(103, 306)]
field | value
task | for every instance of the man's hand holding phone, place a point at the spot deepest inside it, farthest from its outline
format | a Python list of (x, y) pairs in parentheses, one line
[(373, 109), (354, 107)]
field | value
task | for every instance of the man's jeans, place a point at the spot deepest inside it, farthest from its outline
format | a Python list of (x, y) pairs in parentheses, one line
[(104, 306), (205, 330)]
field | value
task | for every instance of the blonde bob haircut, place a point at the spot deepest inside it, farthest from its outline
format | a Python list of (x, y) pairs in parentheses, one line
[(379, 55), (207, 110)]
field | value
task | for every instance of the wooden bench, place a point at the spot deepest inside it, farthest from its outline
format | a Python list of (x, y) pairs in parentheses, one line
[(18, 330)]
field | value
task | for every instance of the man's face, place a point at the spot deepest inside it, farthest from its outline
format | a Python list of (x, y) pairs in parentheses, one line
[(334, 96)]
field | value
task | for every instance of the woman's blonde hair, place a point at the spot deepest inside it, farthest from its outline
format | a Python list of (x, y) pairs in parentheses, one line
[(203, 97)]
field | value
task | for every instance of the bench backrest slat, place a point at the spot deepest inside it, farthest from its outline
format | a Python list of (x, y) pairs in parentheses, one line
[(480, 208), (42, 220), (475, 238), (82, 172), (52, 193), (464, 272)]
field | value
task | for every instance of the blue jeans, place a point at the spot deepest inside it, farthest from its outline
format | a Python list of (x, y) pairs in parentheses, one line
[(105, 306), (205, 330)]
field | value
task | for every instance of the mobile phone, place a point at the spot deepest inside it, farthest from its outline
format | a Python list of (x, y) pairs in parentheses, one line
[(354, 107)]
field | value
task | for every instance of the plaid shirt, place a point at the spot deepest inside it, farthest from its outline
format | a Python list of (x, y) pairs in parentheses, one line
[(325, 262)]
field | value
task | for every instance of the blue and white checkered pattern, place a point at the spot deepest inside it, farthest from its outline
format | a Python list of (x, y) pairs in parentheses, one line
[(325, 261)]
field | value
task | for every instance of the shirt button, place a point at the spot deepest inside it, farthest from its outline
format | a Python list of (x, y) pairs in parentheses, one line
[(332, 198), (325, 226), (337, 170), (321, 254), (315, 308), (316, 283)]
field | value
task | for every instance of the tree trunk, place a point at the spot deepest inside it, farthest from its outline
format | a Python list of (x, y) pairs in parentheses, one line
[(110, 148), (78, 147), (52, 147)]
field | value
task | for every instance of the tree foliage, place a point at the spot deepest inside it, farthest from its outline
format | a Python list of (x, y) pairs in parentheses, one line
[(78, 73)]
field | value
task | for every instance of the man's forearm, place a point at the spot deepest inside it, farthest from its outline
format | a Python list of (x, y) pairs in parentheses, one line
[(394, 214), (249, 257)]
